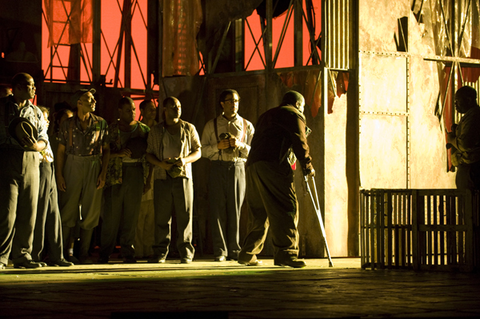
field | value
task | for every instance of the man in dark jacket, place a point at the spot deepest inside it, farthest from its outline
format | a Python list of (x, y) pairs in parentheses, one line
[(465, 138), (279, 140)]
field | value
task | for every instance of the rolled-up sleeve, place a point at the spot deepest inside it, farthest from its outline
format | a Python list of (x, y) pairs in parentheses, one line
[(209, 141)]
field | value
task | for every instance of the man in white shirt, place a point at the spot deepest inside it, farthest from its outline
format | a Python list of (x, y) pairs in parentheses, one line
[(226, 143)]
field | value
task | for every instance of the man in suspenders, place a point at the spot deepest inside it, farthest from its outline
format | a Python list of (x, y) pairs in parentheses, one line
[(82, 161), (226, 143)]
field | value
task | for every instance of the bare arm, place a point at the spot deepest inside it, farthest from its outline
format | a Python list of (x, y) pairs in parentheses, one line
[(60, 161), (148, 183), (192, 157), (105, 158)]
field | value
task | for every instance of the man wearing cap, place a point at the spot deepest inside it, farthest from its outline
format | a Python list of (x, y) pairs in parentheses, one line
[(82, 159), (23, 134), (128, 176)]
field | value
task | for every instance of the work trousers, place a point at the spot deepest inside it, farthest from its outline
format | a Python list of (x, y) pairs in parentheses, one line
[(145, 234), (81, 175), (173, 195), (226, 192), (19, 179), (48, 225), (468, 176), (122, 205), (272, 203)]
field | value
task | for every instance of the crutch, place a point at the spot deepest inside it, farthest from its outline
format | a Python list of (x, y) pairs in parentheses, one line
[(316, 206)]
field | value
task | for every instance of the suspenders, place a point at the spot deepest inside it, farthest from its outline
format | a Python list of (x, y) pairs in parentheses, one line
[(244, 131)]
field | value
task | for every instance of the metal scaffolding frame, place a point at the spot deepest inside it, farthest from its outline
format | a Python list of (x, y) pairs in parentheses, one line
[(89, 55)]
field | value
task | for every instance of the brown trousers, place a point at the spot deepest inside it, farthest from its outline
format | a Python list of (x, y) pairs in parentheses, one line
[(273, 205)]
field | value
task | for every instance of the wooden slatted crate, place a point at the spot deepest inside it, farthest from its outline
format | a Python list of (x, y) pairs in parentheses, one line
[(429, 229)]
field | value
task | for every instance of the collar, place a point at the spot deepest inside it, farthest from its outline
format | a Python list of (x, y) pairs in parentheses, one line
[(232, 120)]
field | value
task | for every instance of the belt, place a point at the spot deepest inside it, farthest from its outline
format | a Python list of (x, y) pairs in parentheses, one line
[(220, 162), (131, 164)]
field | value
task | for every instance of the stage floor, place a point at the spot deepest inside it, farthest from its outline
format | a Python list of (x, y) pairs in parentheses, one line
[(230, 290)]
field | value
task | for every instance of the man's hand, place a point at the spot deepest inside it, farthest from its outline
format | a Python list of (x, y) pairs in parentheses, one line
[(61, 185), (451, 139), (180, 162), (124, 152), (31, 144), (223, 144), (166, 164), (235, 143), (309, 171), (101, 181)]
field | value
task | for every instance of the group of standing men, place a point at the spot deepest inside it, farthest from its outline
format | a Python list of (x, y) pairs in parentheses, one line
[(119, 162)]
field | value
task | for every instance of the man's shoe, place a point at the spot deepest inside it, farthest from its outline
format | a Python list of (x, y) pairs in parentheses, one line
[(220, 258), (186, 260), (129, 260), (61, 263), (3, 266), (255, 262), (294, 263), (73, 259), (85, 261), (27, 264), (157, 259)]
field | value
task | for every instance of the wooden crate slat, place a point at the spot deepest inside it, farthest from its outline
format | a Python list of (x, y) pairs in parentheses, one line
[(432, 229)]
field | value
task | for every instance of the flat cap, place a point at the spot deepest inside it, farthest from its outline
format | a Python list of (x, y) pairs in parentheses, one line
[(77, 95)]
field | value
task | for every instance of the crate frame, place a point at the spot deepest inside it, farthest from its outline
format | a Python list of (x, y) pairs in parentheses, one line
[(421, 229)]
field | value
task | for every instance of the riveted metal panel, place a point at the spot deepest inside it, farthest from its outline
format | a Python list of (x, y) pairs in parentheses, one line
[(384, 120)]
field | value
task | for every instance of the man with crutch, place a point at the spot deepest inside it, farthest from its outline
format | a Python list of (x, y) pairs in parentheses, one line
[(280, 139)]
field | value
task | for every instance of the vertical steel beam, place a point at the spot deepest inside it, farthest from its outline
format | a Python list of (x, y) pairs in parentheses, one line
[(96, 47), (160, 51), (352, 135), (455, 42), (268, 36), (310, 26), (298, 33), (127, 16), (152, 40), (239, 28)]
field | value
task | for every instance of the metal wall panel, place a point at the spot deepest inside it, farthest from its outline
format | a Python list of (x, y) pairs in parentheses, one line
[(383, 121)]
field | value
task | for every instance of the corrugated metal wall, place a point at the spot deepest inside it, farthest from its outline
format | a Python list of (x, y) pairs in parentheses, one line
[(336, 52)]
